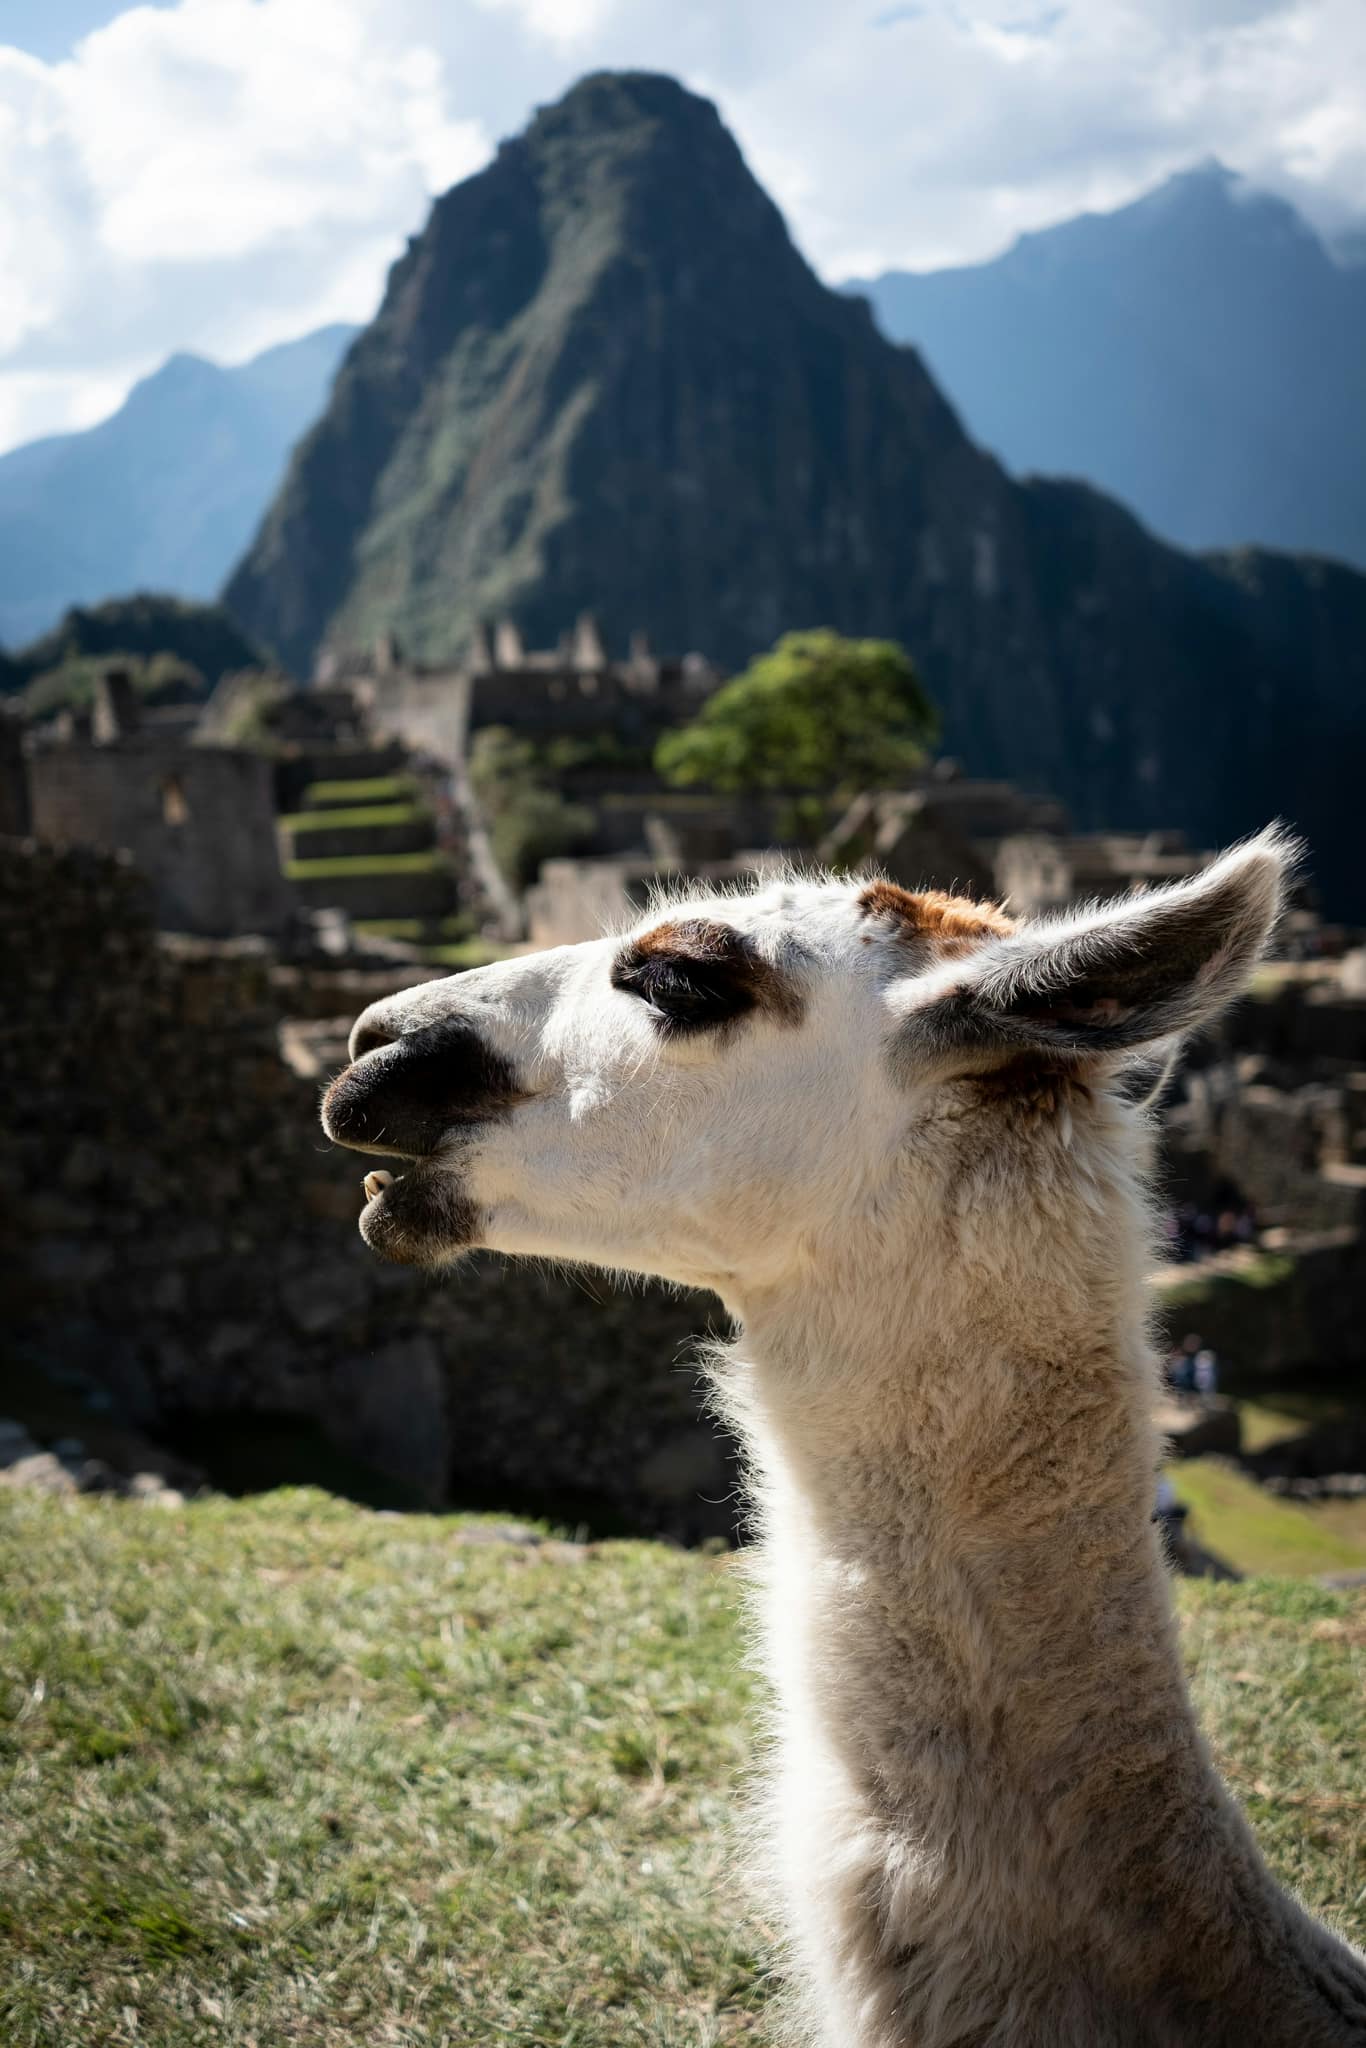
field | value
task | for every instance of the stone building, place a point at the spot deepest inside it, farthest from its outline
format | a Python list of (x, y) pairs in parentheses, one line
[(575, 688), (199, 821), (1039, 871)]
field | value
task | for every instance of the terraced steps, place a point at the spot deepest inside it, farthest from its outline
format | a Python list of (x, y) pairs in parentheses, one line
[(362, 840)]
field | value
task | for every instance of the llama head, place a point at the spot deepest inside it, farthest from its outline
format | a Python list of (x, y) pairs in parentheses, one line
[(740, 1079)]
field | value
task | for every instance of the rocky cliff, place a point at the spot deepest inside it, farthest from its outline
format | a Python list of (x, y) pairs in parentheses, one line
[(603, 376)]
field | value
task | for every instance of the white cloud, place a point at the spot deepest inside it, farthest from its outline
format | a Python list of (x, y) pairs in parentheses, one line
[(936, 134), (214, 176), (562, 22), (218, 174), (33, 404)]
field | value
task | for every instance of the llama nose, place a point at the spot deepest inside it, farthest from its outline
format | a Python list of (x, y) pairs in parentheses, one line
[(372, 1029), (407, 1090)]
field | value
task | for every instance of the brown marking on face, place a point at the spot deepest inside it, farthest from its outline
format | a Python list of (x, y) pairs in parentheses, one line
[(1031, 1086), (697, 974), (954, 922)]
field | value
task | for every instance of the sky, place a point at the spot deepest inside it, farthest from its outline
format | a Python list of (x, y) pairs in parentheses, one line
[(219, 175)]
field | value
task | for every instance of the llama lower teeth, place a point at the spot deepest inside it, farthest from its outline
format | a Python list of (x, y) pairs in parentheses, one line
[(375, 1183)]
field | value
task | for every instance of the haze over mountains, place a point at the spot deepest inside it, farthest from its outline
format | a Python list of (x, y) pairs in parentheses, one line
[(603, 376), (164, 495), (1198, 353)]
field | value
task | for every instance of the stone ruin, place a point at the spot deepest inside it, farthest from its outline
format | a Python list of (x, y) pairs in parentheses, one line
[(178, 1245), (576, 687), (199, 821)]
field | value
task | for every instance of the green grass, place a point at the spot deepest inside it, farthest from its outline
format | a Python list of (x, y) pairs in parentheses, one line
[(1291, 1411), (365, 864), (1257, 1532), (445, 930), (284, 1771), (474, 952), (1189, 1286), (377, 789), (347, 820)]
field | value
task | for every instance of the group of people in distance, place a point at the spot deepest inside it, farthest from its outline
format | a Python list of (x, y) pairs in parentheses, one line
[(1191, 1373), (1192, 1367), (1193, 1233)]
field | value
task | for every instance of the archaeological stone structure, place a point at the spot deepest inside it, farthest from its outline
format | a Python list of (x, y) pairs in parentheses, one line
[(176, 1236), (199, 820), (574, 688)]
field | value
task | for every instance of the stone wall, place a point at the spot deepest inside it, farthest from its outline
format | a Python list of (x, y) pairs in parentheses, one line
[(176, 1235), (1269, 1314), (199, 821), (14, 813)]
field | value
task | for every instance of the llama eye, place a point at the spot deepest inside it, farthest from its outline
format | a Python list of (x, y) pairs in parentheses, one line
[(684, 994)]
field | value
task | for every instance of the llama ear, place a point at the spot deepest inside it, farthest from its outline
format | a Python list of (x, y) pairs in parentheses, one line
[(1117, 976)]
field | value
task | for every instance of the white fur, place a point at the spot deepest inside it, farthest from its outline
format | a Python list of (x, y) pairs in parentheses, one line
[(991, 1818)]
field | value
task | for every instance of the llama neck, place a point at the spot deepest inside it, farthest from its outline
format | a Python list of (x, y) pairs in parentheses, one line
[(977, 1542), (986, 1747)]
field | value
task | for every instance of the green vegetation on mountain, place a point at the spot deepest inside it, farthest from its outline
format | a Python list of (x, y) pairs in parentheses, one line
[(290, 1773), (603, 377), (162, 679), (818, 712), (154, 635)]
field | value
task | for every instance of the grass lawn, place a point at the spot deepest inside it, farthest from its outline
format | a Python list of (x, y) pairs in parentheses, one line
[(1190, 1287), (1253, 1530), (365, 864), (475, 952), (352, 816), (286, 1771), (447, 931), (376, 789)]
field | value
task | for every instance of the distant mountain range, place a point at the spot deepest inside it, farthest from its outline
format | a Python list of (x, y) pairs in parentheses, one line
[(603, 376), (1199, 353), (164, 495)]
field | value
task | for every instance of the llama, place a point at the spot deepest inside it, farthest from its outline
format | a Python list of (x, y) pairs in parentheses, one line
[(898, 1134)]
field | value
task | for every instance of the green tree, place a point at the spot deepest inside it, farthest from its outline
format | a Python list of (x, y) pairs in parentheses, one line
[(70, 685), (818, 713), (528, 820)]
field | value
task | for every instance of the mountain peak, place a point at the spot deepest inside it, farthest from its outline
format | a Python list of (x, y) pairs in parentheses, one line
[(606, 99), (603, 378), (623, 257), (1197, 352), (181, 367), (1208, 170), (1220, 201), (164, 493)]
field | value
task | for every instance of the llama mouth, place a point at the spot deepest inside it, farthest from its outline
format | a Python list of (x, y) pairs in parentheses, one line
[(419, 1218)]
